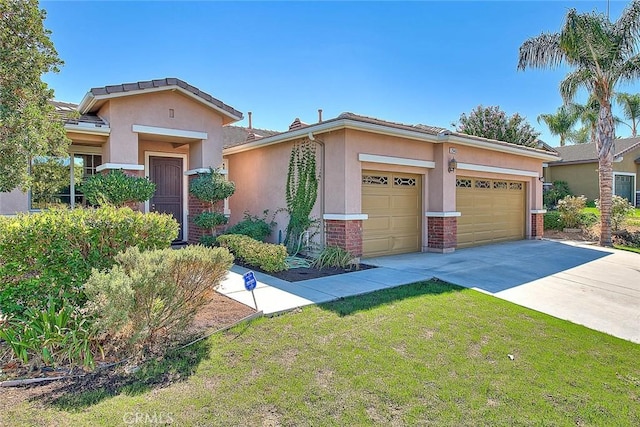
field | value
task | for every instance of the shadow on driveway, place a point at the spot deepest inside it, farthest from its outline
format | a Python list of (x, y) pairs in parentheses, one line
[(495, 268)]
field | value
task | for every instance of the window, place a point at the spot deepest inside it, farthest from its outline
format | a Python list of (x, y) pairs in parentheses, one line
[(54, 184)]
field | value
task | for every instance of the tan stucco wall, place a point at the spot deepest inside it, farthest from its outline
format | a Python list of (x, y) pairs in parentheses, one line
[(14, 202), (152, 109)]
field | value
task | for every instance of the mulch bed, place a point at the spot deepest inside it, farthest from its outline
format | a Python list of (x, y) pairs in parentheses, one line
[(307, 273)]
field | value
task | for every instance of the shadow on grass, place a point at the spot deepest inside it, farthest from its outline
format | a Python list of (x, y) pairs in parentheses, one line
[(175, 366), (353, 304)]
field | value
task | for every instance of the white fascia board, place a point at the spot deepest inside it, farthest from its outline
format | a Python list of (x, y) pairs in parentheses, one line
[(493, 169), (206, 170), (389, 160), (178, 133), (125, 166), (502, 147), (538, 211), (442, 214), (88, 130), (90, 99), (345, 217)]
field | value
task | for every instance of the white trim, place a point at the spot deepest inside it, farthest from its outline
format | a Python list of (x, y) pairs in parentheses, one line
[(442, 214), (538, 211), (185, 187), (89, 100), (635, 184), (389, 160), (197, 171), (345, 217), (125, 166), (88, 130), (335, 124), (178, 133), (494, 169)]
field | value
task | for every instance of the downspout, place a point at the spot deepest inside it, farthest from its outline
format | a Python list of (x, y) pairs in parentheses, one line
[(322, 172)]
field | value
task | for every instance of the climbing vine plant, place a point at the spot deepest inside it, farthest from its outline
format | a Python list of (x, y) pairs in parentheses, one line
[(301, 191)]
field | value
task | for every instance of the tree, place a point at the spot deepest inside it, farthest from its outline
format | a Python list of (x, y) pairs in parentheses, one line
[(630, 104), (588, 114), (211, 187), (493, 123), (29, 126), (561, 123), (602, 54)]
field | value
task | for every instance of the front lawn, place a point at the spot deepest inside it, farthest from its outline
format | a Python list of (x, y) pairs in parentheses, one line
[(427, 354)]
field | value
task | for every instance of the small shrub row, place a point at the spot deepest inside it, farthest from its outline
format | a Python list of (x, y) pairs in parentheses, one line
[(621, 209), (52, 253), (554, 220), (151, 297), (253, 226), (266, 256)]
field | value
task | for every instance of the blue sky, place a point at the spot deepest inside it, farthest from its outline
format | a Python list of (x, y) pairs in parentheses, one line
[(412, 62)]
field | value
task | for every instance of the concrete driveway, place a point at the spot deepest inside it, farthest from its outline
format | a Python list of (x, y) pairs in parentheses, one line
[(592, 286)]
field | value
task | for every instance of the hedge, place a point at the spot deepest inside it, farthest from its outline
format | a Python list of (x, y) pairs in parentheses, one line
[(266, 256)]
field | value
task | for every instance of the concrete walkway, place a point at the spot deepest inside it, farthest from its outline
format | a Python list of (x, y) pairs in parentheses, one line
[(592, 286)]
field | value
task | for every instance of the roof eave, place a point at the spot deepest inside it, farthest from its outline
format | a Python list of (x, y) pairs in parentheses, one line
[(88, 130)]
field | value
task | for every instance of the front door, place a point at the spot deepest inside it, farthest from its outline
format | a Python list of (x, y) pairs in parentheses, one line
[(166, 173)]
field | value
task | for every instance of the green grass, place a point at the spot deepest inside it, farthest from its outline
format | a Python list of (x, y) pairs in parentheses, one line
[(426, 354), (633, 219), (627, 248)]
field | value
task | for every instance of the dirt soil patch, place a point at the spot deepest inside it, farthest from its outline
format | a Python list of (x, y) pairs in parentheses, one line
[(221, 311)]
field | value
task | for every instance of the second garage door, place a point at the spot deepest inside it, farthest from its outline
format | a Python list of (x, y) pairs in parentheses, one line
[(491, 211), (393, 203)]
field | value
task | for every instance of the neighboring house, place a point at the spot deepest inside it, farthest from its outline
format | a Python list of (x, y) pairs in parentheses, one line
[(165, 129), (388, 188), (385, 188), (579, 168)]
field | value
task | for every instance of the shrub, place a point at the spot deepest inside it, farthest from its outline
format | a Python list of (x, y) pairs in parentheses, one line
[(252, 226), (552, 221), (266, 256), (558, 191), (334, 256), (621, 208), (150, 297), (210, 219), (117, 189), (627, 238), (210, 188), (570, 210), (56, 335), (52, 253)]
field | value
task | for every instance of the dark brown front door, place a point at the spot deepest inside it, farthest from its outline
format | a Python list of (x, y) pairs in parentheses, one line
[(166, 173)]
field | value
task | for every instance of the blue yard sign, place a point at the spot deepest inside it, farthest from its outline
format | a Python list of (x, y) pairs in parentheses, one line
[(250, 283)]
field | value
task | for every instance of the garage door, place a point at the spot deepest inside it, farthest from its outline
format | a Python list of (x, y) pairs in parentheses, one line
[(394, 206), (491, 211)]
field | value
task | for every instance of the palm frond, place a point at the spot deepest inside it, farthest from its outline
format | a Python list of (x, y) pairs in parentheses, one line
[(582, 77), (629, 70), (541, 52), (627, 27)]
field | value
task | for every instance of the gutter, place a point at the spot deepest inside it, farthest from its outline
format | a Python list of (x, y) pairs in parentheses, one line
[(88, 130)]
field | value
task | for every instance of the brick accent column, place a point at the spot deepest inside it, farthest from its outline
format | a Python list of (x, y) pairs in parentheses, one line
[(346, 234), (537, 225), (442, 233)]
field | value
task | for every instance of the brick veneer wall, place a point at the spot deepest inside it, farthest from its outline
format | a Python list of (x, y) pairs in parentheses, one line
[(537, 225), (442, 233), (196, 207), (344, 234)]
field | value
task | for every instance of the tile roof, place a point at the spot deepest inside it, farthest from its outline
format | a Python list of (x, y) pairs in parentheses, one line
[(586, 153), (158, 83), (236, 135), (431, 130), (69, 112)]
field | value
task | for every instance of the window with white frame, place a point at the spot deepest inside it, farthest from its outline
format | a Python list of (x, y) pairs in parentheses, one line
[(56, 179)]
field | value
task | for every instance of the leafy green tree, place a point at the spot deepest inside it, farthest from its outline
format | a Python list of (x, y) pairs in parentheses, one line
[(631, 108), (561, 123), (602, 54), (493, 123), (29, 126)]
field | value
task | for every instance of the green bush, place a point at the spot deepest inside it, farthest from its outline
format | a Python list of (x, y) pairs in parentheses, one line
[(570, 210), (153, 296), (334, 256), (52, 253), (59, 334), (210, 188), (210, 220), (558, 191), (552, 221), (266, 256), (117, 189), (252, 226), (621, 209)]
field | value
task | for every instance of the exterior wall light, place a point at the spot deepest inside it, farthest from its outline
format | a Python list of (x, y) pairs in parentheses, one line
[(453, 164)]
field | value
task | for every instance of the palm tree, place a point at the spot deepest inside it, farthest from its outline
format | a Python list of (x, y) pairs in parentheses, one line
[(631, 107), (602, 54), (560, 123), (588, 114)]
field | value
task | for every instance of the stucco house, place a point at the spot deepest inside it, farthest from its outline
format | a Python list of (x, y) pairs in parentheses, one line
[(389, 188), (578, 166), (385, 188)]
